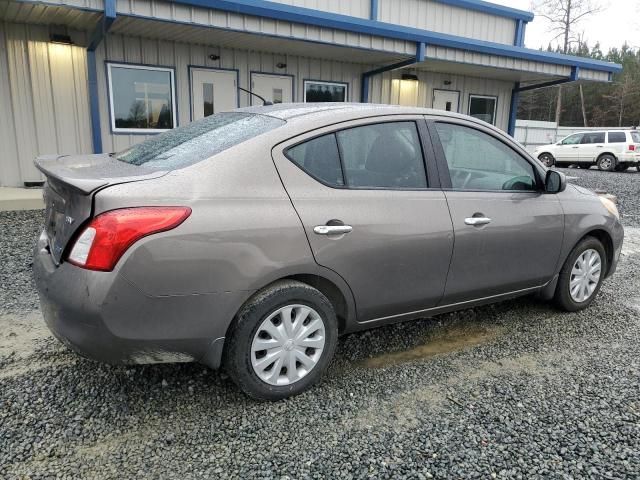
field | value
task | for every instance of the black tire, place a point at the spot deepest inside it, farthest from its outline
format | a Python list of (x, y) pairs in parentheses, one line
[(638, 167), (547, 159), (622, 167), (586, 166), (237, 354), (562, 295), (607, 162)]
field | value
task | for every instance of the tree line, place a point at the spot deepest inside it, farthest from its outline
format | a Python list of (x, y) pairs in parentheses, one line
[(615, 104)]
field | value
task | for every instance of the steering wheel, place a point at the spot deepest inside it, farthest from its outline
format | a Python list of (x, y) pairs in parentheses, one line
[(522, 182), (461, 179)]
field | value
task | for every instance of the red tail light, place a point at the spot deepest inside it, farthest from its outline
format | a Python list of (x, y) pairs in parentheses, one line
[(110, 234), (632, 148)]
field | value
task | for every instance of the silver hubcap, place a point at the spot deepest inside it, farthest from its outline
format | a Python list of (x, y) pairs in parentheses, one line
[(585, 275), (546, 159), (288, 345), (605, 163)]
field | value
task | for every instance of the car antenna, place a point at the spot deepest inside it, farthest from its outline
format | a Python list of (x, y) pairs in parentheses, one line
[(264, 102)]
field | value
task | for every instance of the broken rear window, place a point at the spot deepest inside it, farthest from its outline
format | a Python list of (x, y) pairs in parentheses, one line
[(198, 140)]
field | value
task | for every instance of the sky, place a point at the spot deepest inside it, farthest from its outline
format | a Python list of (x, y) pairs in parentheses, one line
[(619, 21)]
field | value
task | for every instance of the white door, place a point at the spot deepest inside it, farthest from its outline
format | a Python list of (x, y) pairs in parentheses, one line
[(212, 91), (271, 87), (447, 100)]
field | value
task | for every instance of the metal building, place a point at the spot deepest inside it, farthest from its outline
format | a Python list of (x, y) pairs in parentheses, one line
[(80, 76)]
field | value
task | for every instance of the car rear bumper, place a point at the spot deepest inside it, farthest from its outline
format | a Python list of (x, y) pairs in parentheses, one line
[(629, 158), (103, 316)]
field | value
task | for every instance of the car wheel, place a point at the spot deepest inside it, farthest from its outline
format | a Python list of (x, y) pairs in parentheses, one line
[(606, 162), (281, 341), (547, 159), (581, 276), (622, 167), (638, 167)]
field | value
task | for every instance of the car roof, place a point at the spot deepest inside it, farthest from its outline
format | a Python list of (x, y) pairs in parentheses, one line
[(308, 111)]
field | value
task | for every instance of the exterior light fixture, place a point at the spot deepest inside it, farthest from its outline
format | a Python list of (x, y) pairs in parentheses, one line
[(447, 82), (60, 38), (410, 77), (281, 65), (214, 57)]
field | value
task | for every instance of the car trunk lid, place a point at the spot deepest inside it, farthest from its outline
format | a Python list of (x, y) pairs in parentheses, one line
[(72, 181)]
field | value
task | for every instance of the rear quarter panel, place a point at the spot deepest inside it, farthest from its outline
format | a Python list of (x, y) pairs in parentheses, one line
[(242, 235)]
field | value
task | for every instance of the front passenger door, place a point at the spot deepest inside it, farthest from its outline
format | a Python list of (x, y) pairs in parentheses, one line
[(507, 231)]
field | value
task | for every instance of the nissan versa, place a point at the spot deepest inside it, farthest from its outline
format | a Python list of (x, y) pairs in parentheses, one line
[(250, 240)]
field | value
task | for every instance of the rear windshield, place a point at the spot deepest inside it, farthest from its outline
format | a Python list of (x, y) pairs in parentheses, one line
[(635, 136), (198, 140)]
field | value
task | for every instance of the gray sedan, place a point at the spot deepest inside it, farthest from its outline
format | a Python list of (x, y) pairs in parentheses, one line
[(250, 240)]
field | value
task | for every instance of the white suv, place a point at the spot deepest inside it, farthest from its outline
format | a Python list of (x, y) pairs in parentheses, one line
[(608, 149)]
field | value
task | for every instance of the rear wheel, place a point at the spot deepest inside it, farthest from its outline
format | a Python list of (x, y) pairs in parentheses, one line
[(622, 167), (282, 341), (547, 159), (581, 275), (606, 162)]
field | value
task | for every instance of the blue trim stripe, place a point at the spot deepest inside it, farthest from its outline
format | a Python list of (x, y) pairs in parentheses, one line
[(266, 9)]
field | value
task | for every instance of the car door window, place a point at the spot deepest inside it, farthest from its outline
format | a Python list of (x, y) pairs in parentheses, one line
[(478, 161), (382, 155), (572, 139), (591, 138), (319, 157), (617, 137)]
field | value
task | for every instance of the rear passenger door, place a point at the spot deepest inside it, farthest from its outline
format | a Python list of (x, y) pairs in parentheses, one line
[(508, 232), (372, 212)]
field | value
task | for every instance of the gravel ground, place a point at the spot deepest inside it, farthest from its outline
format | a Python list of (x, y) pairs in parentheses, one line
[(626, 185), (513, 390)]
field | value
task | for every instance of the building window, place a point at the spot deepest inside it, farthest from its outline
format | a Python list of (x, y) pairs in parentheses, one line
[(315, 91), (141, 98), (483, 108)]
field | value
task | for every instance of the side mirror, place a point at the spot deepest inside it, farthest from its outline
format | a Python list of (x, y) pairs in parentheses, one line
[(555, 182)]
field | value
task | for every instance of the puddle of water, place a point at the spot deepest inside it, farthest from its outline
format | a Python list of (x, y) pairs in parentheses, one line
[(452, 340)]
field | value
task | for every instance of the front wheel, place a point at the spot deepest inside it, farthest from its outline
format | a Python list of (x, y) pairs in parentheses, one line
[(547, 159), (282, 341), (581, 275)]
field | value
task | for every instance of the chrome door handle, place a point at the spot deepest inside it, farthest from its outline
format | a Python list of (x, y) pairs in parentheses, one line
[(332, 229), (477, 221)]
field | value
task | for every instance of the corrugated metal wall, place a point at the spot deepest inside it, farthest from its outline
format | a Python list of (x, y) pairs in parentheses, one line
[(355, 8), (119, 48), (163, 10), (387, 88), (438, 17), (43, 100)]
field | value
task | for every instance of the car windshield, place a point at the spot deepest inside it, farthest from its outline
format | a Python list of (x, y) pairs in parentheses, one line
[(198, 140), (635, 137)]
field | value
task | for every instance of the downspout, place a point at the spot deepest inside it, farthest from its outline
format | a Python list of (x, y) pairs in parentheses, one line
[(98, 34), (518, 41), (366, 76)]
